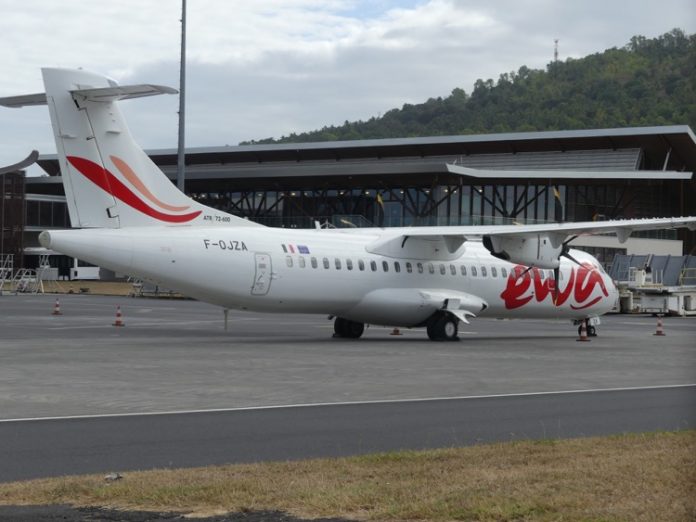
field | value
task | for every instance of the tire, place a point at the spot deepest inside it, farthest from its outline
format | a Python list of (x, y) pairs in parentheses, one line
[(443, 327), (339, 327), (354, 329), (348, 329)]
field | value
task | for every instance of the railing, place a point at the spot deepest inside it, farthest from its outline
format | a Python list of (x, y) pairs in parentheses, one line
[(6, 269), (687, 277), (26, 281)]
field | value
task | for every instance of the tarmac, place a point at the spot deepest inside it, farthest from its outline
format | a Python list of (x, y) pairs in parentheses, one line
[(175, 355)]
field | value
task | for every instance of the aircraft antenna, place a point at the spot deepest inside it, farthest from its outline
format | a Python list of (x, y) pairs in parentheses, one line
[(180, 170)]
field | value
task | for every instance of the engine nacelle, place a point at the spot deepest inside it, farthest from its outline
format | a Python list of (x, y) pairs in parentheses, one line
[(529, 250)]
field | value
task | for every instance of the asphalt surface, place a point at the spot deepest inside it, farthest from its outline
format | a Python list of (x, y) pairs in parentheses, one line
[(32, 449), (175, 356)]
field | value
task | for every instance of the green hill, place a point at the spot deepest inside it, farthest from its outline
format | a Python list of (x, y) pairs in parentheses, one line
[(647, 82)]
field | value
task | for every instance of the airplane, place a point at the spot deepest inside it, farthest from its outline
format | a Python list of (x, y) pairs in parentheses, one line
[(130, 218)]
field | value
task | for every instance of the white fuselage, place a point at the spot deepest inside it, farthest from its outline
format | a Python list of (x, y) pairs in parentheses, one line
[(331, 272)]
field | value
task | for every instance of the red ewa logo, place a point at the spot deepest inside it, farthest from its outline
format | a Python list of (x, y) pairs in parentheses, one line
[(583, 279), (112, 185)]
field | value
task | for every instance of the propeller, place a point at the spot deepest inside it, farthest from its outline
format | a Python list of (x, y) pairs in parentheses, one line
[(565, 252)]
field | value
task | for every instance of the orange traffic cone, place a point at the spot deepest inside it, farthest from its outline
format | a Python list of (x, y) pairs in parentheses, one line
[(395, 331), (56, 308), (659, 330), (583, 332), (119, 317)]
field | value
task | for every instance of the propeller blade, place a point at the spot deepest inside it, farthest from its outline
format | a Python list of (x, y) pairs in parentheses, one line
[(572, 259), (521, 274)]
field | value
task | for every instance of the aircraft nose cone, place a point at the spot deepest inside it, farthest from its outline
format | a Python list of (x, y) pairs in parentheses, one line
[(45, 239)]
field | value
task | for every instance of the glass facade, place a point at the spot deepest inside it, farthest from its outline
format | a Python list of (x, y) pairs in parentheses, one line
[(47, 214), (451, 204)]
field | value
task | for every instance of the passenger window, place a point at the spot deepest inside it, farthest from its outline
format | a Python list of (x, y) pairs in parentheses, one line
[(453, 270), (397, 267), (349, 264), (409, 267), (326, 262), (431, 268), (288, 261), (483, 271), (503, 272), (541, 275), (420, 267), (463, 270), (301, 261), (494, 272), (473, 271), (338, 264), (373, 266), (442, 269), (385, 266), (361, 265), (314, 262)]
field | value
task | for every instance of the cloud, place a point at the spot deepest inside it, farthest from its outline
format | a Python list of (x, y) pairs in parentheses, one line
[(271, 67)]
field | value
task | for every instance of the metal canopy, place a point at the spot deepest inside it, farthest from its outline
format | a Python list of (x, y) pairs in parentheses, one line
[(670, 148)]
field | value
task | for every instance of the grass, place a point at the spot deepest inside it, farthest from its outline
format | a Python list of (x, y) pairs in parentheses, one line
[(628, 477)]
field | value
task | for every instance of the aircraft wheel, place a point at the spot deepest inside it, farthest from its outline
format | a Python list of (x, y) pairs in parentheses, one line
[(348, 329), (443, 328), (339, 327), (354, 329)]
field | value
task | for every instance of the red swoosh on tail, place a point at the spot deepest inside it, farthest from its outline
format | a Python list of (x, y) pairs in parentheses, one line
[(111, 184), (131, 176)]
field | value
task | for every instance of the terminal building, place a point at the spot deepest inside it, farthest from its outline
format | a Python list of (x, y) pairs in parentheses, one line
[(441, 180)]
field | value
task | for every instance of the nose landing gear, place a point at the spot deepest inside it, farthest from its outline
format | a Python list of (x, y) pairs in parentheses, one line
[(591, 330)]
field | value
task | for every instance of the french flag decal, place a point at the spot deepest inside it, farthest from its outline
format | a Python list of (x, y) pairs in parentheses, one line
[(292, 249)]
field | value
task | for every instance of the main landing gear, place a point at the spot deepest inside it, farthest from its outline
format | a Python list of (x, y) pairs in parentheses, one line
[(348, 329), (443, 327)]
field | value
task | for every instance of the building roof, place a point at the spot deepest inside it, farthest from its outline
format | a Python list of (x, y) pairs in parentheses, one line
[(611, 151)]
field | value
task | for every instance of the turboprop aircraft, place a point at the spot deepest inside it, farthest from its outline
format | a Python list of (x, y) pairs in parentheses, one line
[(133, 220)]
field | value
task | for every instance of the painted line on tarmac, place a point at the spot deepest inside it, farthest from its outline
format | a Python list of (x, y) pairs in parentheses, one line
[(346, 403)]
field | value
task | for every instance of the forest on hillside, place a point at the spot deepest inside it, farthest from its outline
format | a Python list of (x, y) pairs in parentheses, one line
[(647, 82)]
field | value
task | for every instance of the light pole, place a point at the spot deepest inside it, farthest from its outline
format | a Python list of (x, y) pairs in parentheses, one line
[(181, 163)]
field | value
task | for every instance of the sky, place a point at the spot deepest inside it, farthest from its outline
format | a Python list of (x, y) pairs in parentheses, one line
[(266, 68)]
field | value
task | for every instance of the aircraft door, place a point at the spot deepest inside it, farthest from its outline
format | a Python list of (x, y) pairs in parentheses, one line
[(262, 274)]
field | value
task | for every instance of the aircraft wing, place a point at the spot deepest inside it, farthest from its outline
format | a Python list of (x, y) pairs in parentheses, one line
[(546, 241)]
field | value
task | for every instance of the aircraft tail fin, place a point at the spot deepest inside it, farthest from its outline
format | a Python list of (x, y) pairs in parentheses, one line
[(110, 182)]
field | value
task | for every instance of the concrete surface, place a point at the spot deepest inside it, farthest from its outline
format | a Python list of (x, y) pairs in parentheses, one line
[(175, 355)]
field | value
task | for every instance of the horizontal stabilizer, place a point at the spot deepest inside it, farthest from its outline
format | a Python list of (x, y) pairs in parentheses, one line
[(15, 102), (102, 94), (123, 92)]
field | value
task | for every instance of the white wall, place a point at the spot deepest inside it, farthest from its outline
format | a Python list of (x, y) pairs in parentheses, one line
[(671, 247)]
